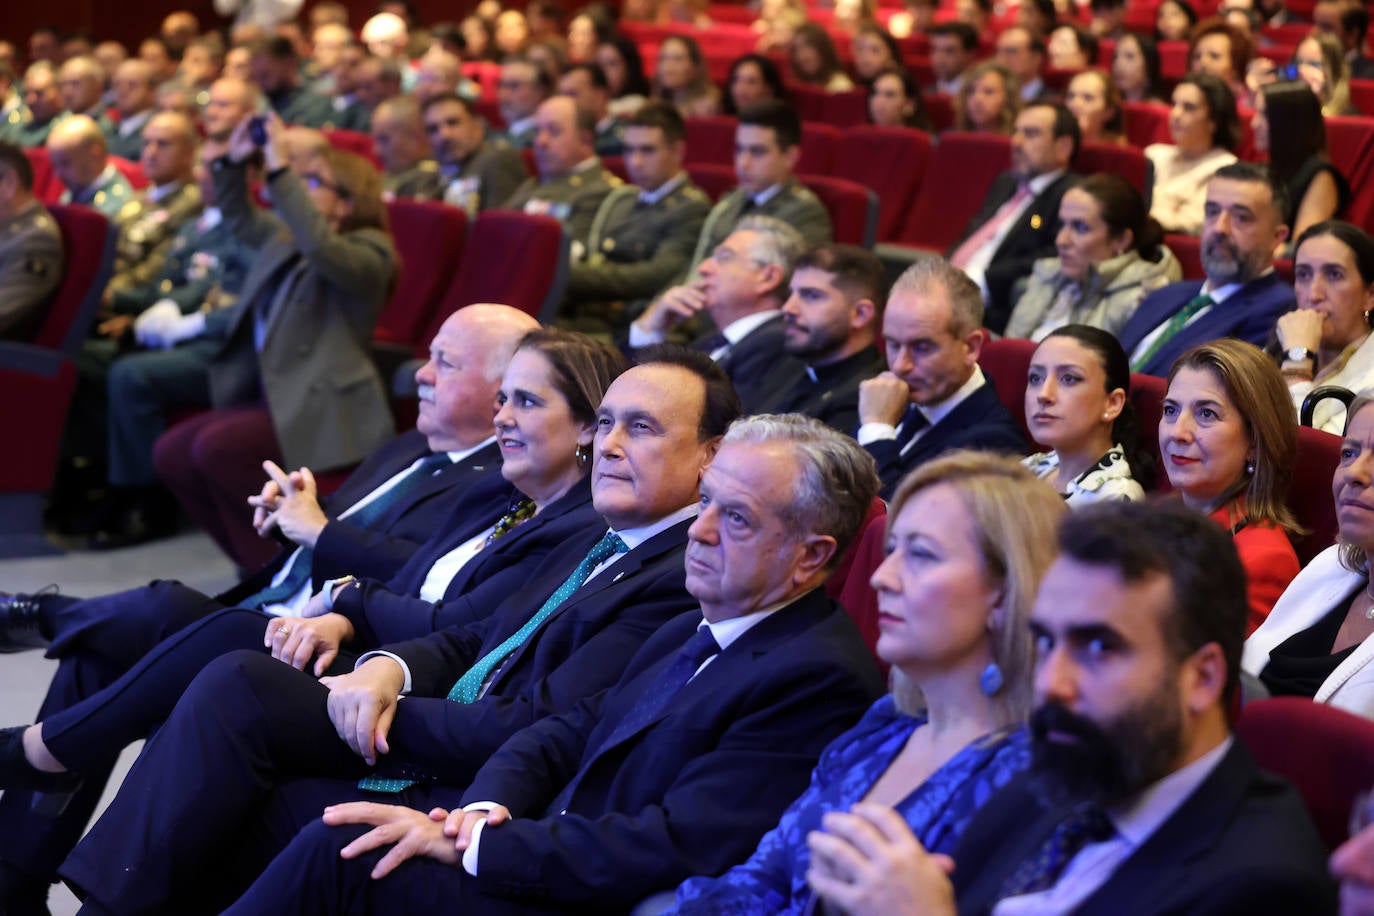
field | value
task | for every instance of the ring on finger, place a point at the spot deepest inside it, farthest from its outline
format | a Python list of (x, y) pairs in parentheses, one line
[(284, 629)]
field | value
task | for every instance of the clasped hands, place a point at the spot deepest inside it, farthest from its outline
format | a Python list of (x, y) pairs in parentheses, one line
[(289, 503), (867, 861), (441, 834)]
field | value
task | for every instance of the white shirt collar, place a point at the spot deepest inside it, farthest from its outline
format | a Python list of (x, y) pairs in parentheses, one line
[(157, 192), (1139, 818), (727, 631), (134, 122), (663, 190), (1040, 182), (766, 195), (463, 454), (633, 537), (1222, 293), (520, 126), (937, 412), (741, 328)]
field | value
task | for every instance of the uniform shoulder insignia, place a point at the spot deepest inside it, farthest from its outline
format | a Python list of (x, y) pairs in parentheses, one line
[(129, 210), (692, 192), (36, 266), (611, 178), (428, 165)]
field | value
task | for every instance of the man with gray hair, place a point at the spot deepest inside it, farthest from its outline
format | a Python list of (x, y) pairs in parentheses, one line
[(933, 397), (740, 287), (81, 161), (81, 81)]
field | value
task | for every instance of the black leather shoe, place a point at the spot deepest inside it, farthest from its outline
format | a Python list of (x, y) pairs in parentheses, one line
[(21, 621), (17, 773)]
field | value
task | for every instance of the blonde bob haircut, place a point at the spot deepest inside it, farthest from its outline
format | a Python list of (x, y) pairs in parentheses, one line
[(1016, 516)]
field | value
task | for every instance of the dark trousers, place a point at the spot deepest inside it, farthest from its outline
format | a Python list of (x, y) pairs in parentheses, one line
[(143, 388)]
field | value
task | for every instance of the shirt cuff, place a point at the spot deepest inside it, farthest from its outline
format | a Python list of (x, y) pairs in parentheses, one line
[(876, 432), (327, 593), (470, 854), (642, 338), (405, 688)]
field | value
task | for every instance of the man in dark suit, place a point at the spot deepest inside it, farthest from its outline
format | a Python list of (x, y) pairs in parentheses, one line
[(934, 397), (740, 288), (98, 639), (1024, 54), (1139, 799), (684, 763), (1242, 297), (1020, 214), (563, 636), (477, 173), (830, 323)]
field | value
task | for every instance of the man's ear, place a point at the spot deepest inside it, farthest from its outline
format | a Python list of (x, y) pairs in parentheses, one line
[(1205, 676), (815, 551), (862, 314)]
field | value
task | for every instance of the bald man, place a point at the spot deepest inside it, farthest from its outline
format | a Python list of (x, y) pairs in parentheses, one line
[(43, 104), (135, 94), (572, 182), (398, 136), (440, 72), (81, 161)]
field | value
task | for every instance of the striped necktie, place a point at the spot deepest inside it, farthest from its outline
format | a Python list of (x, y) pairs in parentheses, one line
[(1176, 324)]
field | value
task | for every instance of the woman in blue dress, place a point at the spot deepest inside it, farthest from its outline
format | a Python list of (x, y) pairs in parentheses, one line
[(969, 536)]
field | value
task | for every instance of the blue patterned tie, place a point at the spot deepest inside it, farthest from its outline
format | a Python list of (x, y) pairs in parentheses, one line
[(469, 686), (1086, 824), (651, 703), (299, 573)]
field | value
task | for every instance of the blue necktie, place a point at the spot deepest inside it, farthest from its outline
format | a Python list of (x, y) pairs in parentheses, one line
[(912, 423), (469, 686), (1086, 824), (299, 573)]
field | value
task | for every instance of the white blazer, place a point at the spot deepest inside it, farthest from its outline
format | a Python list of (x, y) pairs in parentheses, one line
[(1320, 586)]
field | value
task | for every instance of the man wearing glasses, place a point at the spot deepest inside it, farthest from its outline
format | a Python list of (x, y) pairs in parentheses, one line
[(522, 86)]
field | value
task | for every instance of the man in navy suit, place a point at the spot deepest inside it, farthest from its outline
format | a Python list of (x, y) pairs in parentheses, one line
[(98, 639), (682, 765), (741, 288), (565, 635), (1139, 799), (1242, 297), (933, 398)]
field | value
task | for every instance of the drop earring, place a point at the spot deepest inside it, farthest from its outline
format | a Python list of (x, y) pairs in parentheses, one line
[(990, 681)]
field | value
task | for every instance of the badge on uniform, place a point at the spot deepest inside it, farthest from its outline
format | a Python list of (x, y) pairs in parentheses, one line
[(36, 266)]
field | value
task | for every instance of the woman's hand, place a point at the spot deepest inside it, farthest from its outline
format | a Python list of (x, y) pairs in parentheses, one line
[(869, 861), (295, 640), (1300, 328)]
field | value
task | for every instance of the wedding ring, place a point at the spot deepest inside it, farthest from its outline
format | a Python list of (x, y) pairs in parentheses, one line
[(284, 629)]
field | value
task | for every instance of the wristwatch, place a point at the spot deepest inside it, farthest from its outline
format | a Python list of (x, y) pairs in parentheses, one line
[(1300, 355), (332, 585)]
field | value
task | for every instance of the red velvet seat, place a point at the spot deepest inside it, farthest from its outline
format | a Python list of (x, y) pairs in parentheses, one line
[(891, 161), (1362, 96), (490, 112), (1350, 143), (715, 179), (962, 167), (846, 109), (132, 172), (1188, 250), (429, 238), (940, 110), (1327, 753), (1309, 493), (1146, 123), (38, 378), (819, 142), (711, 140), (355, 142), (1005, 362), (853, 208), (1127, 161), (46, 187), (865, 555)]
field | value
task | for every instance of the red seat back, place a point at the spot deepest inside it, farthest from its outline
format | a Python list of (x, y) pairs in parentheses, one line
[(1350, 143), (46, 187), (891, 161), (1146, 123), (132, 172), (1362, 96), (846, 109), (715, 179), (1114, 158), (429, 239), (818, 144), (1188, 250), (961, 167), (855, 593), (853, 208), (1327, 753), (711, 140), (1309, 492), (1005, 362), (940, 110), (355, 142), (809, 100), (1147, 396), (490, 112), (88, 243)]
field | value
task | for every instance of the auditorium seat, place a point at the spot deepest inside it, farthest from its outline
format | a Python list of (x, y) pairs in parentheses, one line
[(1146, 123), (1173, 59), (890, 160), (962, 167), (616, 166), (46, 187), (853, 208), (429, 239), (1362, 96), (854, 592), (940, 110), (1309, 494), (819, 142), (808, 100), (38, 378), (1114, 158), (355, 142), (1005, 362), (1350, 143), (1188, 250), (489, 112), (1147, 396), (1327, 753), (132, 172), (711, 140), (715, 179)]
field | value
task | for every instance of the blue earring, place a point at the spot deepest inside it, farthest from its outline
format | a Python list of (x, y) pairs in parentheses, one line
[(990, 681)]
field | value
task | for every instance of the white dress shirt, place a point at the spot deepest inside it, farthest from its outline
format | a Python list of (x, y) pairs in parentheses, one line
[(1219, 295), (934, 413)]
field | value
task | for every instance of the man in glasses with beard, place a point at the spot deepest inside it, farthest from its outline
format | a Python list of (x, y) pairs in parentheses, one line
[(1138, 798)]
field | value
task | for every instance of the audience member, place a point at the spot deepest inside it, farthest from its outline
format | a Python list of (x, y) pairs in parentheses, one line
[(231, 100), (1110, 256), (1135, 67), (43, 103), (1071, 47), (1242, 295), (874, 50), (81, 83), (1228, 439), (1204, 127), (974, 13), (440, 72), (1023, 56), (680, 77), (76, 149), (521, 89), (201, 65), (1348, 23), (894, 100), (1288, 126), (1174, 20), (44, 45), (588, 29), (1324, 341), (955, 632), (777, 22), (1108, 18), (160, 56), (327, 44), (753, 78), (951, 53), (476, 173), (1040, 16), (375, 80), (644, 233), (934, 397), (1078, 402), (134, 98), (1094, 99), (1016, 225), (767, 147), (262, 13), (1313, 644), (1322, 65), (741, 287), (830, 324), (815, 61), (1137, 795), (276, 71), (585, 83), (398, 138), (915, 17), (988, 100), (620, 61), (1219, 50), (31, 256)]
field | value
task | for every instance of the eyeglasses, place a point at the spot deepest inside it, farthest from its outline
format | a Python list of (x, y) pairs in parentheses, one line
[(315, 181), (724, 257)]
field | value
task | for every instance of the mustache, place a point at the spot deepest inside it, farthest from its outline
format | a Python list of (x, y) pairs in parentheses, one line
[(1051, 717)]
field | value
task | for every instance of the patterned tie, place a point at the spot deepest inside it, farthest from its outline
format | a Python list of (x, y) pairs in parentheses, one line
[(988, 231), (299, 574), (469, 686), (711, 343), (912, 423), (1176, 324), (1086, 824), (651, 703)]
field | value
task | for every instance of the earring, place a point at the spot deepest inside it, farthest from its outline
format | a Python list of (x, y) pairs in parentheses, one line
[(1249, 467), (584, 455), (990, 681)]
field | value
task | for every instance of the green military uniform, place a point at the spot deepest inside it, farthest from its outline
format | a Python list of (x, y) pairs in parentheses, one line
[(303, 108), (30, 268), (485, 179), (639, 242), (102, 120), (572, 199), (347, 114), (108, 194), (610, 138), (125, 139), (23, 130), (519, 135), (420, 180), (146, 229), (203, 269), (794, 204)]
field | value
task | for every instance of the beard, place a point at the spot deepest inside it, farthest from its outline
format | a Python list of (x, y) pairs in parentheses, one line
[(1223, 262), (1074, 760)]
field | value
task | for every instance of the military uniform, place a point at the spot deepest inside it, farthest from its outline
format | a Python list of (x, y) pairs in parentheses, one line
[(485, 179), (346, 113), (23, 130), (793, 203), (638, 243), (125, 139), (519, 135), (108, 193), (420, 180), (303, 108), (203, 268), (30, 268), (572, 199), (102, 120), (146, 229)]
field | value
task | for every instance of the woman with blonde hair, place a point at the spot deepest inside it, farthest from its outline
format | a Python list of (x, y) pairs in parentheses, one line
[(988, 100), (969, 536), (681, 78)]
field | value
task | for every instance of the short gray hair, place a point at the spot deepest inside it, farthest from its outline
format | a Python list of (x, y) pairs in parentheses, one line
[(837, 479), (775, 243), (965, 299)]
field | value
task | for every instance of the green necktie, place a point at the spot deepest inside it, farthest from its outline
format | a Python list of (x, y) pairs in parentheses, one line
[(1176, 324), (469, 686)]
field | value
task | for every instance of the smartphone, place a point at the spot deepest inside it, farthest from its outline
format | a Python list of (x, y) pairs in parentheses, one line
[(1289, 72), (257, 130)]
